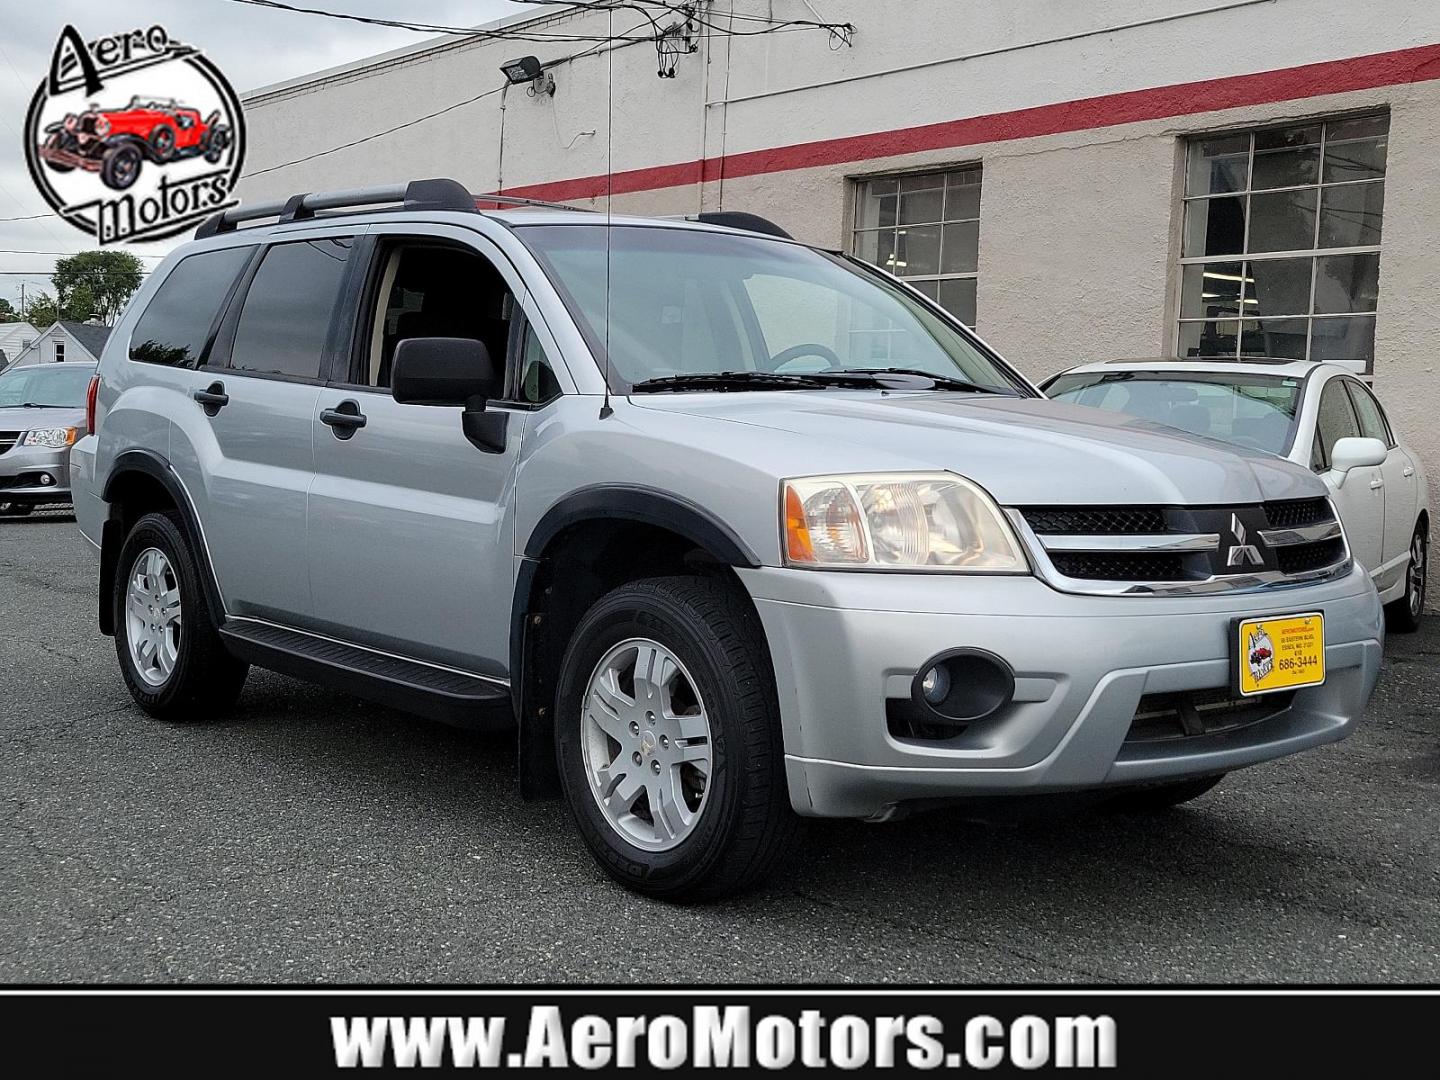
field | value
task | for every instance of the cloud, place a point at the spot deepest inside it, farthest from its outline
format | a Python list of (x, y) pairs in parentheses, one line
[(252, 46)]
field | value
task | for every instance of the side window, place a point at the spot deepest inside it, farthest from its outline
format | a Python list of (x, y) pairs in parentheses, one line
[(1337, 419), (176, 325), (428, 290), (537, 379), (1372, 420), (285, 322)]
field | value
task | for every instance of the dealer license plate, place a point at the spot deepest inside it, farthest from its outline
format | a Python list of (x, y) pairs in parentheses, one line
[(1279, 653)]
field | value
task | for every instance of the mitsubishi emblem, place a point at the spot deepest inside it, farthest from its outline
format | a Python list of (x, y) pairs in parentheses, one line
[(1241, 552)]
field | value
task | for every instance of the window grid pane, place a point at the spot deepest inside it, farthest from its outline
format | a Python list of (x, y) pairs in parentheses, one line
[(925, 229), (1296, 213)]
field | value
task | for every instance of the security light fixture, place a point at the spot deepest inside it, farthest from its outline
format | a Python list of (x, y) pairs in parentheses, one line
[(525, 69)]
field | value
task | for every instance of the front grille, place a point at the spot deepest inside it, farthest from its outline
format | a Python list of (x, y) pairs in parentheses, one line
[(8, 439), (1193, 713), (1128, 546), (87, 124), (1120, 566), (1303, 558), (1293, 513), (1104, 520)]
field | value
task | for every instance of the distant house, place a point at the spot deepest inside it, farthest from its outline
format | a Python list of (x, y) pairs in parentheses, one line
[(65, 341), (15, 338)]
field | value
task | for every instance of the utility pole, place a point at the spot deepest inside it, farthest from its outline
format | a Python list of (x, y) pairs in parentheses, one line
[(22, 303)]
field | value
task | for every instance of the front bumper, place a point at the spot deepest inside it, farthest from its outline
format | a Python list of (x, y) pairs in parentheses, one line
[(844, 643), (23, 470)]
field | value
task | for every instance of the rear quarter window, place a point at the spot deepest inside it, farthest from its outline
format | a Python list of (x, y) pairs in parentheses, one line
[(175, 327)]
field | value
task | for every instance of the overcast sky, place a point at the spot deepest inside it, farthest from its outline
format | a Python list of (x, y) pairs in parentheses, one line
[(251, 45)]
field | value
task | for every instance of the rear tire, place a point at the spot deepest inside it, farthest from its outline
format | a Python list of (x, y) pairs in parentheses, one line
[(1405, 614), (711, 674), (178, 669), (1157, 797)]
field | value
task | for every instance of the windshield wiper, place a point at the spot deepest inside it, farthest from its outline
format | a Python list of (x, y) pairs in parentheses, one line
[(938, 382), (42, 405), (728, 380)]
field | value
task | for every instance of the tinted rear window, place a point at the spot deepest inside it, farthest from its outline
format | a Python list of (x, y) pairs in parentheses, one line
[(176, 325), (286, 319)]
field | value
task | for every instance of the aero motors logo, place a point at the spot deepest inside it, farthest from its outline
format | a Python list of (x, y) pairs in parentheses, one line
[(1260, 654), (134, 137)]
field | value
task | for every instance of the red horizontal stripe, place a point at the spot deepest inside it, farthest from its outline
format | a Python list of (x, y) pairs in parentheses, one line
[(1181, 99)]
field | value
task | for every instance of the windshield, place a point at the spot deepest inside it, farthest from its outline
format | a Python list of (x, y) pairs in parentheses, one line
[(1254, 411), (52, 384), (687, 302)]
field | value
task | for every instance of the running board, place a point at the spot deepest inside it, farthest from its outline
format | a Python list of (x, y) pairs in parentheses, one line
[(454, 697)]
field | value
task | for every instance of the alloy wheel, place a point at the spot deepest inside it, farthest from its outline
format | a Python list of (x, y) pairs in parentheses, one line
[(152, 617), (646, 744)]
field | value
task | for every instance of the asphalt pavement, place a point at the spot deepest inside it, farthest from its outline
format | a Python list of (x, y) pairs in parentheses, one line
[(315, 838)]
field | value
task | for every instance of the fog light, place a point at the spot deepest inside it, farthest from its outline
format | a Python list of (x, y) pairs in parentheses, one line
[(935, 685), (46, 479), (962, 686)]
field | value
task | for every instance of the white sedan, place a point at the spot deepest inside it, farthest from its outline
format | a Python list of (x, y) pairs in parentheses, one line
[(1317, 415)]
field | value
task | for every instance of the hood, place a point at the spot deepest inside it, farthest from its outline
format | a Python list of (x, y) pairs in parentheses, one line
[(1024, 451), (22, 419)]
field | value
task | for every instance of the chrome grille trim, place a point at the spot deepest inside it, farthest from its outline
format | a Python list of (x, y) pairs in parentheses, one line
[(1129, 543), (1305, 534)]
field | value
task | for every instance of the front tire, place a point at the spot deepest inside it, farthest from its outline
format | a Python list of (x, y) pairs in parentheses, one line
[(170, 654), (120, 167), (668, 739), (1405, 614)]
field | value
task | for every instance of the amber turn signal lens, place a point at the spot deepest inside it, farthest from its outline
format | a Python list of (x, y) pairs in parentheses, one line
[(798, 547)]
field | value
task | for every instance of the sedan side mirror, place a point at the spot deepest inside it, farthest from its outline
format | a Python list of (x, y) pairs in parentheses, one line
[(451, 371), (1356, 453)]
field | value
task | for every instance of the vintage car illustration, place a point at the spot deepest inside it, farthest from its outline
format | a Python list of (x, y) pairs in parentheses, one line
[(115, 142)]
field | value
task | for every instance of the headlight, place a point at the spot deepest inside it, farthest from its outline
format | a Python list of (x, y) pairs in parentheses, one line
[(936, 522), (53, 436), (102, 126)]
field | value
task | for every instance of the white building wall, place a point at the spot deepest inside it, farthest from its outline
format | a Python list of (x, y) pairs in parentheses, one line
[(1077, 111)]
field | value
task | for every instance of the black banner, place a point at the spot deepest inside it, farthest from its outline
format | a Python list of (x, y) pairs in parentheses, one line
[(1140, 1032)]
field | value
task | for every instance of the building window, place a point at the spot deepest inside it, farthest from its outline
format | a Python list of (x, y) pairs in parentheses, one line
[(1280, 254), (924, 228), (59, 352)]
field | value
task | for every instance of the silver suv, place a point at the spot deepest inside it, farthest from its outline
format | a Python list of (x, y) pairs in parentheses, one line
[(734, 529)]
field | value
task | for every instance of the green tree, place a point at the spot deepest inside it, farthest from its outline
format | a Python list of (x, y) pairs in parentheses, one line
[(7, 311), (102, 280), (42, 311)]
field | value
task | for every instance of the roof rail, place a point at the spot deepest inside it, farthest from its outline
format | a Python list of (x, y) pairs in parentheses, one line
[(516, 200), (438, 194)]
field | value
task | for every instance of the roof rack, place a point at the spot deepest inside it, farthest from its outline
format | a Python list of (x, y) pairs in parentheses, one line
[(437, 194), (416, 195)]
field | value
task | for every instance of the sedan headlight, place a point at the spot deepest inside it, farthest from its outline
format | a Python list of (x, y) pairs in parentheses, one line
[(54, 437), (936, 522)]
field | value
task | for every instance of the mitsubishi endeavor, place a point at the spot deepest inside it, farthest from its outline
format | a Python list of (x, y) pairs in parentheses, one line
[(735, 530)]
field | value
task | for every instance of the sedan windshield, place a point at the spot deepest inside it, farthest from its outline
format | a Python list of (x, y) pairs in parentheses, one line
[(685, 303), (1254, 411), (50, 386)]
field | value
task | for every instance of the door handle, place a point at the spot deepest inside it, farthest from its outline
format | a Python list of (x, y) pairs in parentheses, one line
[(1376, 484), (1409, 470), (344, 420), (213, 398)]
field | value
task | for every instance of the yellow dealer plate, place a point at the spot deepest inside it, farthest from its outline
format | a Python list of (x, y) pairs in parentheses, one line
[(1279, 653)]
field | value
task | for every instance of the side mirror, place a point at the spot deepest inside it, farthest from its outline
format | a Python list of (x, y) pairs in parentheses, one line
[(441, 371), (451, 371), (1356, 453)]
